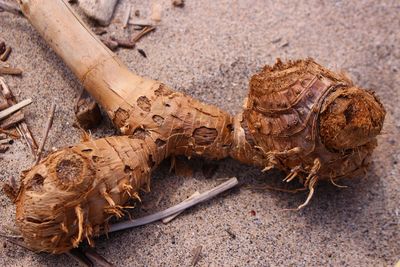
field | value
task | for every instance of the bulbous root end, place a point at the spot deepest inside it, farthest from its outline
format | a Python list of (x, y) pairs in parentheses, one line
[(350, 117)]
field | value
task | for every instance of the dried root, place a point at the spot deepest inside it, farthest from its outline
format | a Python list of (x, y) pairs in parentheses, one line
[(297, 115)]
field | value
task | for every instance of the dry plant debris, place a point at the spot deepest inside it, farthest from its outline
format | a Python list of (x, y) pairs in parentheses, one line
[(292, 116), (178, 3), (11, 116)]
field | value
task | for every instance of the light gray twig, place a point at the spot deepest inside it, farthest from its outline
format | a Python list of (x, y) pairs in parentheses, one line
[(175, 209)]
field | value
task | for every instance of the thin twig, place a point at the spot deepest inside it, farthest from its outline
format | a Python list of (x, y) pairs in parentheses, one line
[(175, 209), (196, 255), (142, 33), (10, 70), (170, 218), (8, 111), (46, 132)]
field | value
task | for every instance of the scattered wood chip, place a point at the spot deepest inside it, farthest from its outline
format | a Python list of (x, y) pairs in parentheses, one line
[(126, 17), (196, 255), (156, 12), (6, 141), (124, 43), (10, 70), (4, 56), (8, 111), (24, 131), (173, 216), (175, 209), (112, 45), (12, 120), (87, 111), (99, 10), (178, 3), (141, 51), (46, 132)]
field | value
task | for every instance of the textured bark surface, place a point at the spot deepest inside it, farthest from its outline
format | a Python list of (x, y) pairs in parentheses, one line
[(282, 113), (71, 194)]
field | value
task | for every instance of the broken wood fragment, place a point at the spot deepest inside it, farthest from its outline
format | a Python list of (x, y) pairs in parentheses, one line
[(87, 111), (46, 132), (124, 43), (178, 3), (99, 10), (12, 120), (4, 56), (8, 111), (6, 141), (112, 45), (10, 70)]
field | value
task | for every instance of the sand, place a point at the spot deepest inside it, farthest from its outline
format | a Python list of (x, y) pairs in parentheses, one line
[(209, 49)]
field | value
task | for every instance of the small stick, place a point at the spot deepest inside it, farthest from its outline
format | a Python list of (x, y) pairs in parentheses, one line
[(10, 8), (14, 108), (170, 218), (196, 255), (6, 141), (109, 43), (46, 132), (6, 54), (124, 43), (142, 33), (13, 120), (10, 71), (175, 209), (126, 16), (24, 131)]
